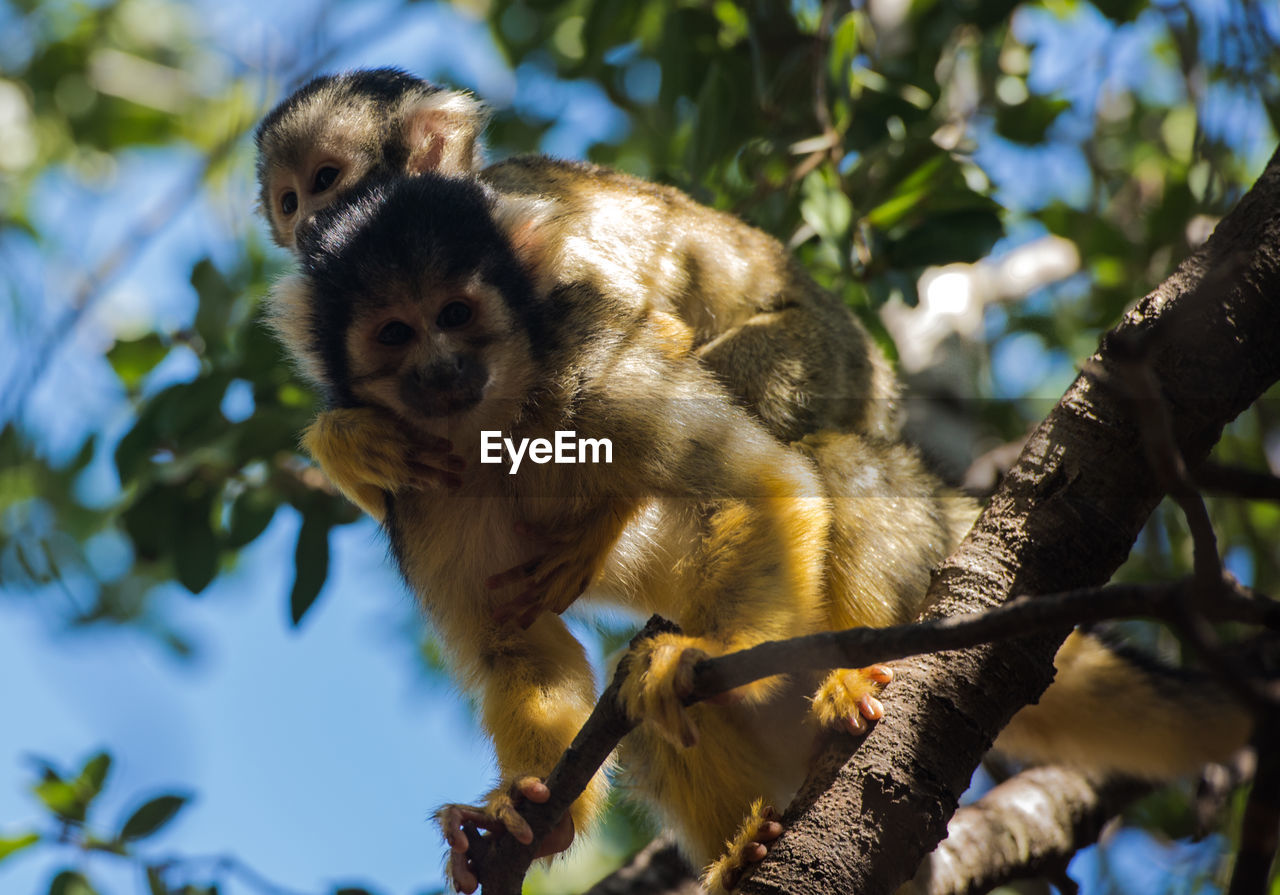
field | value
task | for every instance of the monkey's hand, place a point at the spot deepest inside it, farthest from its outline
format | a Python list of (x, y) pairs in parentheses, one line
[(750, 846), (500, 815), (367, 454), (847, 698), (574, 556), (659, 679)]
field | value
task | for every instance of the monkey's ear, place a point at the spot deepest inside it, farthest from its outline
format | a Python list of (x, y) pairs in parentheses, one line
[(442, 131), (528, 222)]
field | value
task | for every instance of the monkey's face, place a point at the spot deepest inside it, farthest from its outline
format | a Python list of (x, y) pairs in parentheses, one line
[(309, 168), (445, 356), (337, 131)]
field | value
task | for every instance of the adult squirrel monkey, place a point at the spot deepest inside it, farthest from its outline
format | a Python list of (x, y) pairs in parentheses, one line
[(788, 349), (420, 313)]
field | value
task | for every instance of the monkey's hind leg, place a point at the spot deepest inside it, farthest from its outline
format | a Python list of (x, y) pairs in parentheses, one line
[(702, 793), (758, 831), (848, 698)]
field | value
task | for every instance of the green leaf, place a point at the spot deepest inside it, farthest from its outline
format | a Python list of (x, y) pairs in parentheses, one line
[(155, 882), (134, 359), (61, 798), (945, 238), (94, 774), (196, 550), (71, 882), (826, 208), (311, 564), (1028, 121), (14, 844), (251, 513), (152, 816), (352, 890), (1120, 10), (216, 298)]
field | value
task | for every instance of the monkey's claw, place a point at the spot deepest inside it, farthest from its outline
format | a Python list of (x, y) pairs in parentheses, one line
[(848, 697)]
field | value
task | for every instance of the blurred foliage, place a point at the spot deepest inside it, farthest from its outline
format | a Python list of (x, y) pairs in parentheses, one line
[(853, 132)]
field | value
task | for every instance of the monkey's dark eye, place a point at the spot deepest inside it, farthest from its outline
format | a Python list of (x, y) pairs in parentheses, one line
[(395, 333), (324, 179), (289, 202), (453, 315)]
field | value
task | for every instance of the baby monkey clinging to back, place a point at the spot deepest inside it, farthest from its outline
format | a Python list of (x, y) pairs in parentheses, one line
[(791, 351)]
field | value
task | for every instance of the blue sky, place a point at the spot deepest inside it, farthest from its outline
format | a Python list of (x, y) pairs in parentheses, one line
[(317, 754)]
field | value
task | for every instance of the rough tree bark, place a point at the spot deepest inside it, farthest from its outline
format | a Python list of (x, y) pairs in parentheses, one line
[(1065, 517)]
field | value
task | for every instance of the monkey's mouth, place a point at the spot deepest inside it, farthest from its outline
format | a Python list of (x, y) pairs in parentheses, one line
[(435, 404), (458, 391)]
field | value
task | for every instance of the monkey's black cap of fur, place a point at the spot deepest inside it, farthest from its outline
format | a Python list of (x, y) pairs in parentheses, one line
[(397, 235)]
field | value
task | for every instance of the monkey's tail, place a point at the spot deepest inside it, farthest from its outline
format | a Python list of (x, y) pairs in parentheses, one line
[(1112, 711)]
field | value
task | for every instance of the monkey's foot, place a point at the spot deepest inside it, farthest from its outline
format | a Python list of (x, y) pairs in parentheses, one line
[(499, 815), (758, 831), (659, 680), (847, 698)]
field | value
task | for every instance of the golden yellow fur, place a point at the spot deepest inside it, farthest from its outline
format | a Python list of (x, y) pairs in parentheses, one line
[(789, 350)]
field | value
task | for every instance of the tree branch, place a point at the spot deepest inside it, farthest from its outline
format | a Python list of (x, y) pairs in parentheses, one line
[(1064, 518), (1029, 825)]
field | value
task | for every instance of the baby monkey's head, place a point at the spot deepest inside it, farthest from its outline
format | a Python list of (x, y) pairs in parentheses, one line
[(412, 298), (337, 130)]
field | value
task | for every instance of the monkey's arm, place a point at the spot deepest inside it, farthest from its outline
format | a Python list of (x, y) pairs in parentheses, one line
[(367, 454), (536, 689)]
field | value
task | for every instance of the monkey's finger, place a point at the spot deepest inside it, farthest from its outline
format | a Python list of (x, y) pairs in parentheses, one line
[(516, 825), (433, 444), (514, 574), (431, 477), (881, 674), (460, 872), (871, 708), (560, 838), (533, 789), (769, 831), (445, 462), (453, 820)]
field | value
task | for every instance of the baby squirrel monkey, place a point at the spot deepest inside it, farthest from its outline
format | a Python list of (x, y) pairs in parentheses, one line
[(790, 350), (419, 313)]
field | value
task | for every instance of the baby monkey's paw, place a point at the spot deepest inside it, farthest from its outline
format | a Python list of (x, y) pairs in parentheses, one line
[(551, 582), (758, 831), (660, 678), (500, 814), (366, 452), (847, 698)]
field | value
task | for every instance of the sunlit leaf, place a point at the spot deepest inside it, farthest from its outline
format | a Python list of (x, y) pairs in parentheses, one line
[(10, 845), (134, 359)]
